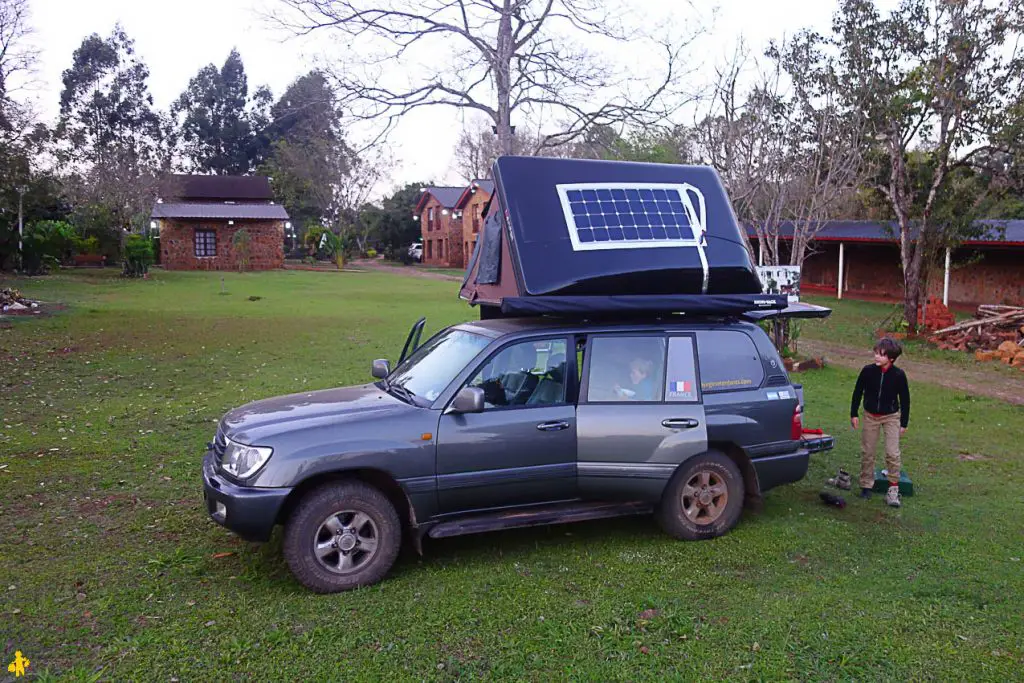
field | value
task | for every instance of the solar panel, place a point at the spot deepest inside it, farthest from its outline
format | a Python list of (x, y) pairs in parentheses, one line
[(633, 215)]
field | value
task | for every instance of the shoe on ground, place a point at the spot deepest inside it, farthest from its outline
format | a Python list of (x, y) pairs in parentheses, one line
[(865, 493), (892, 498), (841, 480)]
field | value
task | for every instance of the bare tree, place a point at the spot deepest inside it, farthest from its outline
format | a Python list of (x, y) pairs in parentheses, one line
[(477, 148), (18, 58), (499, 57), (788, 155)]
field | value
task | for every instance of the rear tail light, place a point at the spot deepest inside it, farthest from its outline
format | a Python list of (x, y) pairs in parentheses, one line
[(796, 431)]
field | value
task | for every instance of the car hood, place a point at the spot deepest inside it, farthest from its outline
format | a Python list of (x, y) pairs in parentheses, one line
[(255, 422)]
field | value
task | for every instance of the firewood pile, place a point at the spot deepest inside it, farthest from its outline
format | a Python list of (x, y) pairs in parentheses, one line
[(11, 301), (995, 333)]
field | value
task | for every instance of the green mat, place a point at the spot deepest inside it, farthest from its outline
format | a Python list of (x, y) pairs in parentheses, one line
[(882, 483)]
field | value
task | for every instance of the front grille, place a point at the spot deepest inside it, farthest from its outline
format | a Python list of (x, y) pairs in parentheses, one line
[(220, 443)]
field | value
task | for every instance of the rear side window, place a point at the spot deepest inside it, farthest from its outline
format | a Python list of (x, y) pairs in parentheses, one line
[(626, 369), (681, 376), (728, 361)]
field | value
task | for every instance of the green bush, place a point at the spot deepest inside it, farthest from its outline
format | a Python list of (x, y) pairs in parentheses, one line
[(371, 253), (241, 243), (138, 255), (46, 244), (87, 245)]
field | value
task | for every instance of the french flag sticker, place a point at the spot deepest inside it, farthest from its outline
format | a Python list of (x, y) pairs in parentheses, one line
[(681, 387)]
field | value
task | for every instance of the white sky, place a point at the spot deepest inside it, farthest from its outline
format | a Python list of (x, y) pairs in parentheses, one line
[(176, 39)]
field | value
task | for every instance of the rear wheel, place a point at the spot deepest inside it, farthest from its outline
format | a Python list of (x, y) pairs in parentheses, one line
[(704, 499), (342, 536)]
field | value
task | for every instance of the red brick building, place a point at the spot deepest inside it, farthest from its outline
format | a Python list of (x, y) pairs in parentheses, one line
[(198, 216), (470, 210), (865, 256), (440, 229)]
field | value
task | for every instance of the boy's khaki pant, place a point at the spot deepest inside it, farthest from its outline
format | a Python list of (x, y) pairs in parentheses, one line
[(870, 428)]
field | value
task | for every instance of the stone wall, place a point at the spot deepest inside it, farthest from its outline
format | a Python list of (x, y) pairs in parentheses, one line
[(177, 244), (442, 237), (472, 221)]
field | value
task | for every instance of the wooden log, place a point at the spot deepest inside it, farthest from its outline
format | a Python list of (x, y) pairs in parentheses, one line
[(1013, 316)]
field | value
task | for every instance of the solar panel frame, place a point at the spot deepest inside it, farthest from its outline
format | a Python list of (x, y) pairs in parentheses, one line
[(645, 229)]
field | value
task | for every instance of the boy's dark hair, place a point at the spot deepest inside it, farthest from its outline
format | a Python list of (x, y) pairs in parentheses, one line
[(889, 347)]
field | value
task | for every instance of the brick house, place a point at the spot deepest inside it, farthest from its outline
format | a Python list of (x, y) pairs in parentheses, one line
[(470, 210), (865, 255), (197, 217), (440, 230)]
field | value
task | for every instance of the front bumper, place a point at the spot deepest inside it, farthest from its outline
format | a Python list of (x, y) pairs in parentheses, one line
[(248, 511)]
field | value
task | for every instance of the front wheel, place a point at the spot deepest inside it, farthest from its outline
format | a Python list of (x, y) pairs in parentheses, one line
[(342, 536), (704, 499)]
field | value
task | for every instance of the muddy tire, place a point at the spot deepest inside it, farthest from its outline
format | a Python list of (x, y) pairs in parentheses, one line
[(704, 498), (342, 536)]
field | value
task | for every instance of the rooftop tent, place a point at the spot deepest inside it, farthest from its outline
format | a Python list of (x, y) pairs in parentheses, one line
[(567, 236)]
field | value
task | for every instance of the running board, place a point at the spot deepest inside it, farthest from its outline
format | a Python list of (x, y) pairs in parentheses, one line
[(558, 513)]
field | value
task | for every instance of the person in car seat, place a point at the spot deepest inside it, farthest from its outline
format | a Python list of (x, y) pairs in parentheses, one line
[(641, 385)]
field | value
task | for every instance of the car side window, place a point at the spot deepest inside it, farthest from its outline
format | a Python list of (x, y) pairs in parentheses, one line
[(626, 369), (681, 376), (728, 361), (525, 374)]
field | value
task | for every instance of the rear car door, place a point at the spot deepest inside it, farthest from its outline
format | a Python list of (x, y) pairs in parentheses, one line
[(522, 448), (639, 414)]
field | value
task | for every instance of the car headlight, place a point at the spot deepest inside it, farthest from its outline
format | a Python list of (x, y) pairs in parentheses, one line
[(241, 461)]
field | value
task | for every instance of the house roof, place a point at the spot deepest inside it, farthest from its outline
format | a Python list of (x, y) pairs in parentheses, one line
[(445, 196), (214, 187), (219, 211), (485, 185), (1003, 232)]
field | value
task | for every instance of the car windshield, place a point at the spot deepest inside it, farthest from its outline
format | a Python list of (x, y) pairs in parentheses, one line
[(428, 371)]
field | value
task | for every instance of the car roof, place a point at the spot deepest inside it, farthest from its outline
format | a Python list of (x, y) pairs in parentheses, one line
[(503, 327)]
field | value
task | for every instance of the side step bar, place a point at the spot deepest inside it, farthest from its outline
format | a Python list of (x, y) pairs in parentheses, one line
[(557, 513)]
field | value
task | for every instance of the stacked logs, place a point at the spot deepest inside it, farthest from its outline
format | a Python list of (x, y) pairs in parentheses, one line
[(995, 333)]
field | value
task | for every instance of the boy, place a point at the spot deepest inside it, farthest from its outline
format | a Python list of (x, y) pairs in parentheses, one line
[(887, 410), (642, 386)]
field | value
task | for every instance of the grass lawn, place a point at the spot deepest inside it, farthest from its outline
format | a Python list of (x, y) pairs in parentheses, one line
[(108, 562)]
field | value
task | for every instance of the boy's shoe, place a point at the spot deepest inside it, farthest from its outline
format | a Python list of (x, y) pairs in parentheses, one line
[(892, 498), (841, 480), (865, 493)]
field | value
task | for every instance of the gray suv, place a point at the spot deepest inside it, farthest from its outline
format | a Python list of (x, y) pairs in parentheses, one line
[(513, 422)]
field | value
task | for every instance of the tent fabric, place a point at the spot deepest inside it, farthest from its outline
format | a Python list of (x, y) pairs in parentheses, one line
[(607, 233), (691, 304)]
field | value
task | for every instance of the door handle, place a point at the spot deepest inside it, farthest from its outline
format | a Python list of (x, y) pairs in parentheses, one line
[(680, 423), (553, 426)]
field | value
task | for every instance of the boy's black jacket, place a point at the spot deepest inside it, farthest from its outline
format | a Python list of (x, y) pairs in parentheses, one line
[(884, 392)]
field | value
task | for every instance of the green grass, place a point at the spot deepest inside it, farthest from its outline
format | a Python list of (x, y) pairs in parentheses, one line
[(108, 562)]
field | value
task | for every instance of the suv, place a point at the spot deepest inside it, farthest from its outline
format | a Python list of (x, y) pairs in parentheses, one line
[(515, 422), (416, 251)]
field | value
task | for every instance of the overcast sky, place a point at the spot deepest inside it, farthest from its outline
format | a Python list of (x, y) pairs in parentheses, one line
[(176, 39)]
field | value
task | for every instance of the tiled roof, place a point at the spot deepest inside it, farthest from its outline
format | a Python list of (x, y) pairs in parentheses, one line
[(245, 188), (219, 211), (446, 196), (485, 185)]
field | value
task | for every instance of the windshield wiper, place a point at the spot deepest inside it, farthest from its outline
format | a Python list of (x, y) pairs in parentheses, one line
[(400, 392)]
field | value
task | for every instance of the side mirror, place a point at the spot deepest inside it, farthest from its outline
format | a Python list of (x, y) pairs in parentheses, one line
[(381, 368), (468, 400)]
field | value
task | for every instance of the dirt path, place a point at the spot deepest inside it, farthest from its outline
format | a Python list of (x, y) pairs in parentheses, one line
[(412, 271), (979, 382)]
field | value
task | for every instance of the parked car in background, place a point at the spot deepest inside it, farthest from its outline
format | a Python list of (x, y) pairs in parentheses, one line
[(416, 251)]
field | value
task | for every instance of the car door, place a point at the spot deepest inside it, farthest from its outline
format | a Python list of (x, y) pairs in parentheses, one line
[(522, 448), (639, 414)]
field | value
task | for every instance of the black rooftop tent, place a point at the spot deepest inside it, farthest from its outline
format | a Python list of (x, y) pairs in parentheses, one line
[(586, 237)]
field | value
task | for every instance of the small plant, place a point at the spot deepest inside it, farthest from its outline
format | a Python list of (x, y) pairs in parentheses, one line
[(371, 253), (138, 256)]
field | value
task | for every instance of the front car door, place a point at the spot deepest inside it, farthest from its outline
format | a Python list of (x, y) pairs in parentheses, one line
[(522, 448), (639, 415)]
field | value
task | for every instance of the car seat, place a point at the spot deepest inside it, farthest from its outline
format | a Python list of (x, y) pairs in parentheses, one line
[(551, 388)]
